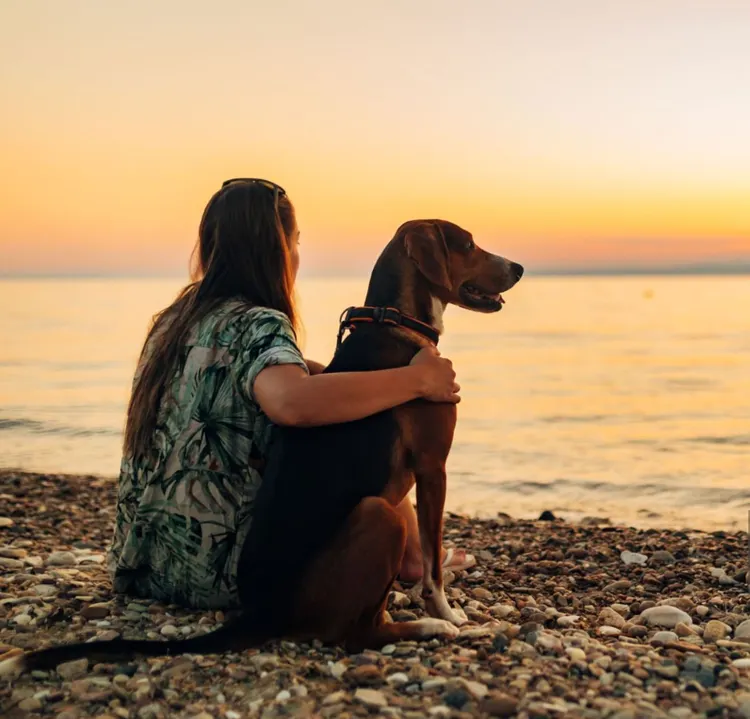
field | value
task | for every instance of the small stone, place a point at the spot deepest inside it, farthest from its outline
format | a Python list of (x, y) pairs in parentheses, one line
[(621, 585), (388, 649), (73, 670), (607, 631), (283, 696), (31, 704), (665, 616), (715, 630), (399, 599), (338, 669), (476, 689), (549, 643), (456, 698), (10, 563), (576, 654), (662, 557), (663, 637), (399, 679), (743, 630), (501, 611), (483, 594), (371, 698), (334, 698), (743, 663), (566, 621), (366, 675), (684, 630), (95, 611), (547, 516), (610, 617), (6, 522), (45, 590), (13, 552), (434, 683), (170, 631), (633, 558), (499, 705), (61, 559)]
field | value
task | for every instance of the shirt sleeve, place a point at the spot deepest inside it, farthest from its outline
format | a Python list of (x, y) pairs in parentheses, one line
[(267, 340)]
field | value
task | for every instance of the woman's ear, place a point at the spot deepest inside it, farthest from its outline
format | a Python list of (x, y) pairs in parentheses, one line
[(425, 246)]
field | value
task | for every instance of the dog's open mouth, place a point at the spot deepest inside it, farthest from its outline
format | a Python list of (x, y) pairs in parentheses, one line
[(476, 298)]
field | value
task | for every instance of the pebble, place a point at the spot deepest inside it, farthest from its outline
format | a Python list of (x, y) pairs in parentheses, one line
[(96, 611), (6, 522), (371, 698), (170, 631), (10, 563), (665, 616), (633, 558), (398, 679), (500, 705), (664, 637), (715, 630), (73, 670), (61, 559), (612, 618), (45, 590), (743, 630)]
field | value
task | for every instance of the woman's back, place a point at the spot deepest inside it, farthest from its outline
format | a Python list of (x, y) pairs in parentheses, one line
[(184, 507)]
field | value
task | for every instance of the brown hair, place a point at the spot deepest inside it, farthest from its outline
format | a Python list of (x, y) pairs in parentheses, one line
[(242, 252)]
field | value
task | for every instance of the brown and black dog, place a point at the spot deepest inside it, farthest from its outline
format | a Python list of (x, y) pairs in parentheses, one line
[(326, 544)]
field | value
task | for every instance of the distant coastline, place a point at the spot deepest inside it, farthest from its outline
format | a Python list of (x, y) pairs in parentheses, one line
[(719, 269)]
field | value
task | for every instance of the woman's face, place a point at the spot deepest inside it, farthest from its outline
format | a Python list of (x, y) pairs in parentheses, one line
[(294, 250)]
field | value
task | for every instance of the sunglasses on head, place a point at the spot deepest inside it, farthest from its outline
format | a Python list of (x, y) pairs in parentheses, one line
[(276, 189)]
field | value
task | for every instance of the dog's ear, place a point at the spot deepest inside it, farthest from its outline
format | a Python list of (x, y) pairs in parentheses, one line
[(425, 246)]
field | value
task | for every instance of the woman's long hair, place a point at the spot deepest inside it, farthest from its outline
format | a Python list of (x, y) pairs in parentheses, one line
[(242, 252)]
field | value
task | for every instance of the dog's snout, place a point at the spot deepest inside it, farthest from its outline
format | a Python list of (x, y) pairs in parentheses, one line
[(517, 270)]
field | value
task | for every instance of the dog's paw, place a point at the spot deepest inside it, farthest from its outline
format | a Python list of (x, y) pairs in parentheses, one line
[(437, 628), (457, 617)]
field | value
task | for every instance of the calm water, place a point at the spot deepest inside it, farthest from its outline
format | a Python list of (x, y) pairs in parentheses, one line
[(623, 397)]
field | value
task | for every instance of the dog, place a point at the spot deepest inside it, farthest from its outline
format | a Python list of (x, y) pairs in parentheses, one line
[(326, 543)]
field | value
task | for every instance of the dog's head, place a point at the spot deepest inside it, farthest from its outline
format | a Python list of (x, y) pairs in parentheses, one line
[(459, 272)]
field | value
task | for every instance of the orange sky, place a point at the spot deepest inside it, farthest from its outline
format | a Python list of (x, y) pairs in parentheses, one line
[(561, 134)]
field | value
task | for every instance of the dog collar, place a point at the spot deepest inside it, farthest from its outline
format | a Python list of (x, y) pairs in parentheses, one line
[(352, 316)]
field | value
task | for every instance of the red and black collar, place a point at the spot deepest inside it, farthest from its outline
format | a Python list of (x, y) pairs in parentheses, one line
[(352, 316)]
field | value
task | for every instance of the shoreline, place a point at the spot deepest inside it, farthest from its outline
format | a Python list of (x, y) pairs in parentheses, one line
[(557, 626)]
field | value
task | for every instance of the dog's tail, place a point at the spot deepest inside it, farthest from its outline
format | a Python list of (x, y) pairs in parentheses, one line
[(231, 635)]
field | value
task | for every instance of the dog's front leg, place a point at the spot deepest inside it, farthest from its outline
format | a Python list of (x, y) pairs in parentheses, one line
[(431, 481)]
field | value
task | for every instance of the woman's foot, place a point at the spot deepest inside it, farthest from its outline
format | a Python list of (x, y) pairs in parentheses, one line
[(411, 564), (453, 559)]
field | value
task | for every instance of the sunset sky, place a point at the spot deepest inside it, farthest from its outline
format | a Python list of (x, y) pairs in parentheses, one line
[(563, 134)]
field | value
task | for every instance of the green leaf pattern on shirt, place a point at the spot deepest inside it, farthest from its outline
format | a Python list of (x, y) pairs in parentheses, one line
[(184, 510)]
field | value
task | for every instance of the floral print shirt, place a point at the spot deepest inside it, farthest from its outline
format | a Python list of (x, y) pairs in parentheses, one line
[(184, 510)]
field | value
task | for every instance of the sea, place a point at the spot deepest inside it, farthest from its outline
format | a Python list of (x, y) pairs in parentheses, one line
[(618, 397)]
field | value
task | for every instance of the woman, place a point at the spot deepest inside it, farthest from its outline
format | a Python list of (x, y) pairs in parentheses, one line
[(219, 368)]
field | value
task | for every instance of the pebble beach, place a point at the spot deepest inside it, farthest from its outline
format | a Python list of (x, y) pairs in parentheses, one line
[(589, 619)]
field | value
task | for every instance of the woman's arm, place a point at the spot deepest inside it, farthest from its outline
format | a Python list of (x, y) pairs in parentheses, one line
[(314, 367), (289, 396)]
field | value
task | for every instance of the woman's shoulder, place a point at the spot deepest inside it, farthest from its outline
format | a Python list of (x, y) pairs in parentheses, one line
[(235, 319)]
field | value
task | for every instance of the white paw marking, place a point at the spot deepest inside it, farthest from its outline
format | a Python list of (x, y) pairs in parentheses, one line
[(431, 627)]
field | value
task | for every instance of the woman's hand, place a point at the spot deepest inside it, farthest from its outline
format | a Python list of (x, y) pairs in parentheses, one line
[(438, 376)]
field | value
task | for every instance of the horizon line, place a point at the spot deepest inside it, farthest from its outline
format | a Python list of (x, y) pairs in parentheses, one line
[(723, 268)]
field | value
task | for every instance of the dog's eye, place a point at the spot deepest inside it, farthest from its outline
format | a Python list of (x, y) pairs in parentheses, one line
[(470, 245)]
